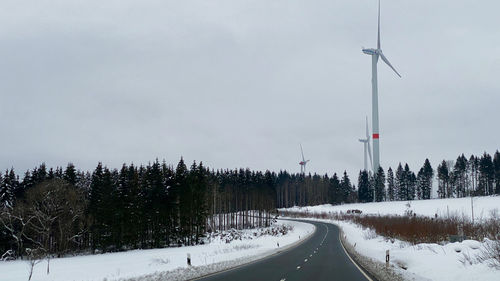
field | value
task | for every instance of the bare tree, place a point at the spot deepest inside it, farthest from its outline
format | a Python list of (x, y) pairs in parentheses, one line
[(16, 221), (34, 256), (56, 209)]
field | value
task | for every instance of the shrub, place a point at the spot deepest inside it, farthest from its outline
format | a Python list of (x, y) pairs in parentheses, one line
[(490, 253)]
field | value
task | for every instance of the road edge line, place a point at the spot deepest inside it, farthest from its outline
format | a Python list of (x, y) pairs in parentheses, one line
[(359, 266), (284, 250)]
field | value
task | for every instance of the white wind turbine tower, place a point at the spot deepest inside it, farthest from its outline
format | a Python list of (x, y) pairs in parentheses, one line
[(376, 53), (367, 149), (303, 162)]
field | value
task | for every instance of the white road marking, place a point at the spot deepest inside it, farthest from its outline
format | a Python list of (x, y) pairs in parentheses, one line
[(347, 254), (310, 256), (325, 233), (305, 260), (298, 267), (283, 279)]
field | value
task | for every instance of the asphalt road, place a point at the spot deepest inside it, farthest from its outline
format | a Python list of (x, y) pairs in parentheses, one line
[(320, 257)]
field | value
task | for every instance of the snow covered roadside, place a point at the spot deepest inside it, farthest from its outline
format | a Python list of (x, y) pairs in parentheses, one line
[(452, 261), (156, 262), (441, 207), (422, 261)]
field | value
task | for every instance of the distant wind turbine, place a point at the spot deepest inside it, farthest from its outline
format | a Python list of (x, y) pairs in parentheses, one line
[(303, 162), (376, 53), (367, 148)]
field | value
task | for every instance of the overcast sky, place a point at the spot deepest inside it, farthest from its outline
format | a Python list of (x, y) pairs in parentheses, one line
[(242, 83)]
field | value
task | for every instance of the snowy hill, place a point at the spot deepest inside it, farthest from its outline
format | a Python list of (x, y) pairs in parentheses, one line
[(483, 207)]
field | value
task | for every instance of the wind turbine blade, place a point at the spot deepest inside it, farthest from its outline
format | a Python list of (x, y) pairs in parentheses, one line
[(367, 132), (378, 34), (302, 151), (370, 154), (388, 63)]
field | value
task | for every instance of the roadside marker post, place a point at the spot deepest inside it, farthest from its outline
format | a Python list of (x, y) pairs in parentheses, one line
[(387, 259), (189, 259)]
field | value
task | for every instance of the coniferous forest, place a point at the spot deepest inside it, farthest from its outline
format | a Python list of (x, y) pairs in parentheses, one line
[(56, 212)]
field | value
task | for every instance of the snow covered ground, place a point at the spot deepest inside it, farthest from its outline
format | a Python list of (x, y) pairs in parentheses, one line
[(483, 206), (452, 261), (125, 265)]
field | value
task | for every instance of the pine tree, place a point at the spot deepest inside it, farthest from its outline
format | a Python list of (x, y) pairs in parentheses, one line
[(9, 188), (379, 185), (199, 186), (155, 202), (59, 173), (70, 174), (51, 174), (39, 174), (391, 189), (460, 176), (25, 185), (371, 187), (486, 175), (443, 180), (168, 177), (473, 174), (184, 202), (410, 183), (5, 192), (364, 194), (134, 206), (334, 190), (101, 208), (424, 181), (399, 183), (496, 168), (347, 189), (420, 184)]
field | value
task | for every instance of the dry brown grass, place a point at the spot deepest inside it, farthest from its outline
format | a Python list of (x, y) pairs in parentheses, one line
[(416, 229)]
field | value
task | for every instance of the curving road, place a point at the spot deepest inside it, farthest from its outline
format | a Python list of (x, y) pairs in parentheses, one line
[(320, 257)]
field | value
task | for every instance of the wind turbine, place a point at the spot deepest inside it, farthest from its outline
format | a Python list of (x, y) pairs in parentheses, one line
[(366, 143), (376, 53), (303, 162)]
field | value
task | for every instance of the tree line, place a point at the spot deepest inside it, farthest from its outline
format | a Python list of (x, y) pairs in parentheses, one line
[(62, 211), (59, 212), (477, 176), (402, 184)]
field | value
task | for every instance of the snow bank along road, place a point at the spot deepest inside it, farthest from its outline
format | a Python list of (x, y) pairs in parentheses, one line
[(165, 263), (320, 257)]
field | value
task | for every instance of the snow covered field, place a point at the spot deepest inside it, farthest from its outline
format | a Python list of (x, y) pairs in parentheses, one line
[(452, 261), (483, 206), (124, 265)]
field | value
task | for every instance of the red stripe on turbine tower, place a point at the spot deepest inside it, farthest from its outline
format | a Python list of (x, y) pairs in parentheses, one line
[(375, 136)]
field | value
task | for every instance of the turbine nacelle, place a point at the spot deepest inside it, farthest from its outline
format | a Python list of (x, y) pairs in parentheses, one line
[(303, 162), (371, 52)]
